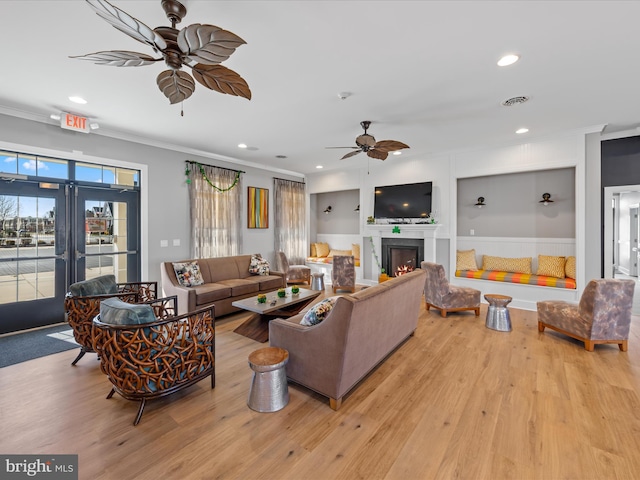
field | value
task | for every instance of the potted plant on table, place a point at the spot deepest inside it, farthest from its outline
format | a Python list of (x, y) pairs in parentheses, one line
[(262, 298), (282, 292), (295, 290)]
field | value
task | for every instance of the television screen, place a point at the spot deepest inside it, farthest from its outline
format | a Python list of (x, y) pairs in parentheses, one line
[(412, 200)]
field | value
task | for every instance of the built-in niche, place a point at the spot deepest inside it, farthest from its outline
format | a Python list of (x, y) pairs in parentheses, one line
[(336, 212)]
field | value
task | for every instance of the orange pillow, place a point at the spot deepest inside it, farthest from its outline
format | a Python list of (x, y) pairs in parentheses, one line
[(551, 266), (322, 249)]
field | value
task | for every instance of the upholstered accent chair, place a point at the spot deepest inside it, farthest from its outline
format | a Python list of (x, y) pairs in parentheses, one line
[(603, 314), (438, 293), (82, 303), (293, 273), (343, 273), (147, 351)]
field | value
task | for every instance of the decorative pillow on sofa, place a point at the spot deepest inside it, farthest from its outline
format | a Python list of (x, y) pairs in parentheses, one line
[(466, 260), (551, 266), (318, 312), (570, 268), (116, 312), (322, 249), (258, 265), (504, 264), (188, 274)]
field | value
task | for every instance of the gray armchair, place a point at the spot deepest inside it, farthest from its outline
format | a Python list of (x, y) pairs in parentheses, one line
[(602, 316), (438, 293), (293, 273)]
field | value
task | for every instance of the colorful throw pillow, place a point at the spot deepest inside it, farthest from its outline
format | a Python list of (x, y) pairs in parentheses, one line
[(322, 249), (570, 268), (355, 248), (258, 265), (466, 260), (318, 312), (551, 266), (504, 264), (188, 274), (314, 251)]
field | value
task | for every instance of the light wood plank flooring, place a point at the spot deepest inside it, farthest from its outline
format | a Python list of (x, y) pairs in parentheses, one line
[(457, 400)]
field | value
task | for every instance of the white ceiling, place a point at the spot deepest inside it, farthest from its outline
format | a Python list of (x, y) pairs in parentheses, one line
[(424, 73)]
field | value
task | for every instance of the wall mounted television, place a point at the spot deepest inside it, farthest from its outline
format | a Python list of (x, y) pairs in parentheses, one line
[(408, 201)]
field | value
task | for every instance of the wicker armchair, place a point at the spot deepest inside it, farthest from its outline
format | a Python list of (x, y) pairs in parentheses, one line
[(82, 303), (150, 360)]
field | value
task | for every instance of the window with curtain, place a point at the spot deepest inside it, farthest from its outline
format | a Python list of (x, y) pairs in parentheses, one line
[(215, 197), (290, 231)]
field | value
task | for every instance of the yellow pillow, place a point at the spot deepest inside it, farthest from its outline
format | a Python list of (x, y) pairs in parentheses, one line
[(503, 264), (313, 252), (570, 268), (322, 249), (551, 266), (466, 260), (355, 248), (333, 253)]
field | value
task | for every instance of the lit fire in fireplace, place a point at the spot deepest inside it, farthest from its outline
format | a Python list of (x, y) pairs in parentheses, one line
[(402, 269)]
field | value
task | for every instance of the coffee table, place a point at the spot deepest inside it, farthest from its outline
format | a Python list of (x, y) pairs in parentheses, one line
[(257, 327)]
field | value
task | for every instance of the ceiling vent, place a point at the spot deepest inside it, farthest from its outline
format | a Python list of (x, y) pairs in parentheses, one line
[(509, 102)]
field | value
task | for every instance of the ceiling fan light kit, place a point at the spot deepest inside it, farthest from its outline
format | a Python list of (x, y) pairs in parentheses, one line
[(367, 143), (198, 46)]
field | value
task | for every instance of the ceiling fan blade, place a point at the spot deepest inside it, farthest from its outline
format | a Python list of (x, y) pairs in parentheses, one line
[(176, 85), (221, 79), (127, 24), (119, 58), (208, 44), (389, 146), (351, 154), (377, 154)]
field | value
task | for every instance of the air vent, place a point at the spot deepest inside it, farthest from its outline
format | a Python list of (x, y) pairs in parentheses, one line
[(281, 156), (509, 102)]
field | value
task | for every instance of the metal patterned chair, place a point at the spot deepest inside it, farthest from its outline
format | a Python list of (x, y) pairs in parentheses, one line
[(602, 316), (438, 293), (82, 304), (293, 273), (148, 352), (343, 273)]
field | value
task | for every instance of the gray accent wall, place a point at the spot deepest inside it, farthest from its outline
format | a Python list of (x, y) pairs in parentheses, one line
[(342, 219), (513, 207)]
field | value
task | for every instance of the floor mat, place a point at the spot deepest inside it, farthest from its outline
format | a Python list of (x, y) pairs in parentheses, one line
[(35, 343)]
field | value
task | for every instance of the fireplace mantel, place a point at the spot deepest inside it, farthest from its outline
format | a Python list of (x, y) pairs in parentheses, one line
[(425, 231)]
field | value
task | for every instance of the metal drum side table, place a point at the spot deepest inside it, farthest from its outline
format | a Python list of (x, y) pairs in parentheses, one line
[(317, 281), (269, 391), (498, 314)]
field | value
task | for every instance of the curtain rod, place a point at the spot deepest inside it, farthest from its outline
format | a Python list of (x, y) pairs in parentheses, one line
[(287, 180), (214, 166)]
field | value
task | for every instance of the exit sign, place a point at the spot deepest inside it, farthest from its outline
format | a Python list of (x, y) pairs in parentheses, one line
[(74, 122)]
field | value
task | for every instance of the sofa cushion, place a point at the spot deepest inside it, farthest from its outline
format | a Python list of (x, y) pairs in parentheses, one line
[(503, 264), (188, 273), (570, 268), (266, 282), (116, 312), (210, 292), (258, 265), (318, 312), (240, 286), (551, 266), (103, 285), (466, 260)]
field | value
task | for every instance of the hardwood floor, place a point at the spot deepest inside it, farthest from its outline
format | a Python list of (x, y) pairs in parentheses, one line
[(457, 400)]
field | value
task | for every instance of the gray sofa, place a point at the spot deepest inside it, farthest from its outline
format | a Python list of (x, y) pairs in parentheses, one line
[(226, 279), (361, 330)]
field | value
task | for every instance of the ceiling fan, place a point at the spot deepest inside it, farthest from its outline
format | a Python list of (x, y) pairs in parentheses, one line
[(367, 143), (200, 47)]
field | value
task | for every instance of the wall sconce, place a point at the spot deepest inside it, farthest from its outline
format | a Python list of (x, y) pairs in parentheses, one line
[(327, 210), (480, 203), (357, 209), (546, 199)]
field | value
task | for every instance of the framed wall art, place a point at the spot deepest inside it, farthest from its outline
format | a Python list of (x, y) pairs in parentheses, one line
[(258, 207)]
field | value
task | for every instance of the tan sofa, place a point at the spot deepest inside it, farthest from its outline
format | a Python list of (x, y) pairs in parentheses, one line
[(226, 279), (361, 330)]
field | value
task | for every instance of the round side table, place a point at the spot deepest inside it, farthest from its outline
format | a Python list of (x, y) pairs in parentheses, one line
[(269, 391), (317, 281), (498, 314)]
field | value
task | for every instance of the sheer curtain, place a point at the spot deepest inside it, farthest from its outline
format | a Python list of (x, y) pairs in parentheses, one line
[(215, 197), (289, 211)]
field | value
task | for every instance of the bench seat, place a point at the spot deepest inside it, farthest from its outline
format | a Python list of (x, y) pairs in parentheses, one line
[(522, 278)]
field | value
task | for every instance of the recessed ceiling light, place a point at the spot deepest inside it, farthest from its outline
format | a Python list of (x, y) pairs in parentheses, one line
[(242, 145), (54, 116), (522, 130), (79, 100), (508, 60), (397, 152), (319, 166)]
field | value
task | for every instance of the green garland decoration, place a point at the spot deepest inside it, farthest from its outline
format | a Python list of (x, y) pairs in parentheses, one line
[(187, 172), (375, 255)]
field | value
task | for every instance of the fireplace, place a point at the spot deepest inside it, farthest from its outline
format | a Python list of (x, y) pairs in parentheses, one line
[(401, 255)]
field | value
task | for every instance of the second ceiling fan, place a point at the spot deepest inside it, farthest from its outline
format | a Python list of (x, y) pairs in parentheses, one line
[(367, 143)]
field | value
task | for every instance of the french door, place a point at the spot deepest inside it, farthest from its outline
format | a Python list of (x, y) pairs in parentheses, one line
[(58, 234)]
